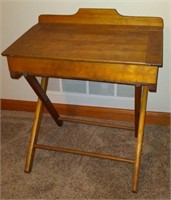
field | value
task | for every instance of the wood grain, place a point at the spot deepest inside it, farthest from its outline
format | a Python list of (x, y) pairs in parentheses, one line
[(101, 16)]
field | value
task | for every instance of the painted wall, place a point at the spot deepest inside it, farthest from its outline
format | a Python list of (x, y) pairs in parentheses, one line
[(17, 16)]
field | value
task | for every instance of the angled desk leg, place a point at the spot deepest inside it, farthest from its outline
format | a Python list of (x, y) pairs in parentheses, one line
[(138, 91), (44, 98), (140, 138), (35, 129)]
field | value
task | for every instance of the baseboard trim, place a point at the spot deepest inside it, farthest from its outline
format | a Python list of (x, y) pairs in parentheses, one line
[(160, 118)]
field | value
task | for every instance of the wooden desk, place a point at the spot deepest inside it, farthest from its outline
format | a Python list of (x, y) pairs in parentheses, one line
[(93, 44)]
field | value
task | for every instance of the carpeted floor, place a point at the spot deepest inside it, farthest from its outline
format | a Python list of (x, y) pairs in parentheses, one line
[(66, 176)]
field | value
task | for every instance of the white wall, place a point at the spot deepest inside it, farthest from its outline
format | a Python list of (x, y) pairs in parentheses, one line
[(20, 15)]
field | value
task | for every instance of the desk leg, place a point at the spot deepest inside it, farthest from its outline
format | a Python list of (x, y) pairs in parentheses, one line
[(138, 91), (140, 138), (35, 129), (44, 98)]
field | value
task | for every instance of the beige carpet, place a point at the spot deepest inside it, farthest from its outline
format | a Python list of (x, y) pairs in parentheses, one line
[(66, 176)]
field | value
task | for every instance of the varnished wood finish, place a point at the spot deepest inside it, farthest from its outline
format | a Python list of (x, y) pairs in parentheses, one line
[(35, 129), (44, 98), (89, 43), (101, 16), (101, 50), (140, 138), (83, 153), (93, 44), (97, 123), (137, 104), (95, 71)]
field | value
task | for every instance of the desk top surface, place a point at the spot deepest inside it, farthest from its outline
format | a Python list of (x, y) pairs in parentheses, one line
[(91, 42)]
